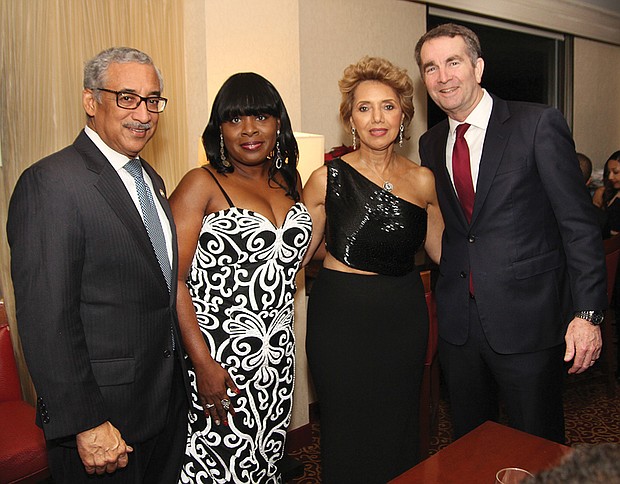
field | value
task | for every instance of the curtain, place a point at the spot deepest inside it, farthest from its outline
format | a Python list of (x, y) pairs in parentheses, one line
[(44, 46)]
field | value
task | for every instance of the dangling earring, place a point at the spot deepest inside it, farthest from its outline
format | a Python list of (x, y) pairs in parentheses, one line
[(354, 139), (400, 135), (278, 154), (223, 159)]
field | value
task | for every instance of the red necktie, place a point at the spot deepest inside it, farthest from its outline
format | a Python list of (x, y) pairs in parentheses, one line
[(461, 171)]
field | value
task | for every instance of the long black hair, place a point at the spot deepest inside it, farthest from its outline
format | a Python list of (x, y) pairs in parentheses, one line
[(610, 192), (250, 94)]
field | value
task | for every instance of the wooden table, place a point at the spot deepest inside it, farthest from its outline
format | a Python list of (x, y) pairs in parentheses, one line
[(477, 456)]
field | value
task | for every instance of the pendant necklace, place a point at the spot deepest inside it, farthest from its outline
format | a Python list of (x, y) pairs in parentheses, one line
[(387, 185)]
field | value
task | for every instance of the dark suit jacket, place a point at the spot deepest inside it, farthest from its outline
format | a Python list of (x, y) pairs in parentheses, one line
[(533, 245), (93, 309)]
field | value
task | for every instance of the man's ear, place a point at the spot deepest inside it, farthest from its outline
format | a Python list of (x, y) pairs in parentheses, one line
[(479, 69), (89, 102)]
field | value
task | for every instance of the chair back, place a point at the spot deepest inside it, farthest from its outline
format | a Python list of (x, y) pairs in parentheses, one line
[(433, 332), (10, 388)]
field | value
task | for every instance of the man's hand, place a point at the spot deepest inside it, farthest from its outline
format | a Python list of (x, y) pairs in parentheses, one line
[(102, 449), (583, 345)]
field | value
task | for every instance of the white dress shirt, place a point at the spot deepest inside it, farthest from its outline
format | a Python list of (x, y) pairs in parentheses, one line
[(118, 161), (479, 120)]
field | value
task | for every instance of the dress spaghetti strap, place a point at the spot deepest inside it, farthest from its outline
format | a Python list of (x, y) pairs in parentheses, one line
[(230, 203)]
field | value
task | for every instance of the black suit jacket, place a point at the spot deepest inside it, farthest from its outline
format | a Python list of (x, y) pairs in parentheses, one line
[(93, 309), (533, 246)]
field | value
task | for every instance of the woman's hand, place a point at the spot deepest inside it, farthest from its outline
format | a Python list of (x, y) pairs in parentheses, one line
[(213, 381)]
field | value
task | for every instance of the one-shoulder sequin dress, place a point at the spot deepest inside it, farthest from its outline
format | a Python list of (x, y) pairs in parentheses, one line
[(367, 334)]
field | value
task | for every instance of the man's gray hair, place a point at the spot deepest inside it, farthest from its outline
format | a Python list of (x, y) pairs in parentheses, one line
[(96, 69)]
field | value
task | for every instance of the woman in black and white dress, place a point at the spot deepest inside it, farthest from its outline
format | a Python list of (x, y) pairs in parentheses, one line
[(242, 233)]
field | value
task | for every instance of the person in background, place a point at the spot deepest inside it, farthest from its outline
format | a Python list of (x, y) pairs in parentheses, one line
[(243, 232), (585, 165), (606, 197), (93, 253), (367, 317), (521, 287)]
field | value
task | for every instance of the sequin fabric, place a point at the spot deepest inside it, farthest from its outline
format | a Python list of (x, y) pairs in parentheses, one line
[(369, 228)]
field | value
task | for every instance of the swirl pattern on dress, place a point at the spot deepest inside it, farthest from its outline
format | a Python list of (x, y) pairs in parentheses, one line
[(242, 283)]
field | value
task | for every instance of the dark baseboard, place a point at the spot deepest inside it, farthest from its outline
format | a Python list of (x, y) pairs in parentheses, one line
[(298, 438), (302, 436)]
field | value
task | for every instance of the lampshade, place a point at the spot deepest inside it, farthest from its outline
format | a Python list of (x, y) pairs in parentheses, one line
[(311, 153)]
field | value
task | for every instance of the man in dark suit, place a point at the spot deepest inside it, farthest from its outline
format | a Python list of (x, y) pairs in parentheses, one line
[(95, 288), (521, 287)]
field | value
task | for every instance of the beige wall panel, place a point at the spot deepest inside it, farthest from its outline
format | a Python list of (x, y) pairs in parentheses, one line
[(596, 100), (195, 51), (262, 37), (336, 34)]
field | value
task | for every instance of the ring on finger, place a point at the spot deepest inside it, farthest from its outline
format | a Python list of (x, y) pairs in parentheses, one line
[(225, 404), (209, 405)]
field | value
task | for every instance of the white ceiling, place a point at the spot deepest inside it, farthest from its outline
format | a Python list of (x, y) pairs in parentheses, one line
[(611, 5)]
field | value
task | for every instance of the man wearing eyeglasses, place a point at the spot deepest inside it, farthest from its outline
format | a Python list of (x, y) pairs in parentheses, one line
[(94, 259)]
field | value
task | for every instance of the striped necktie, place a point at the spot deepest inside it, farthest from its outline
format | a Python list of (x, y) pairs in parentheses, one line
[(150, 218)]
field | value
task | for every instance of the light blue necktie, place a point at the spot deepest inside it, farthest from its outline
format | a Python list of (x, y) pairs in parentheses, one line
[(150, 218)]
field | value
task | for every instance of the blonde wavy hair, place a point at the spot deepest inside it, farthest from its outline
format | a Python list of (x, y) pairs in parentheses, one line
[(380, 70)]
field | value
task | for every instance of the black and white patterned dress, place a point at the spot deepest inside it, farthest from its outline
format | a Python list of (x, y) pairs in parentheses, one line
[(242, 282)]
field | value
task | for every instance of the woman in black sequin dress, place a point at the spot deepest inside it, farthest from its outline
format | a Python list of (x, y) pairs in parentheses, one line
[(367, 317)]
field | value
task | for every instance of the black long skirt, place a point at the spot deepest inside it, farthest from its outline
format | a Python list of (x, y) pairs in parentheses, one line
[(366, 343)]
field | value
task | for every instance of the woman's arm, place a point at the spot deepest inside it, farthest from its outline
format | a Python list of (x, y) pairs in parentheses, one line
[(189, 203), (435, 224), (314, 199)]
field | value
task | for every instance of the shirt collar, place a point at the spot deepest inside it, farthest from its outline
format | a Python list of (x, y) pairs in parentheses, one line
[(116, 159), (479, 117)]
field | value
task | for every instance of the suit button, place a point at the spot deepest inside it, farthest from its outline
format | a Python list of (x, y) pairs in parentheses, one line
[(471, 239), (167, 354), (463, 274), (46, 419), (40, 399)]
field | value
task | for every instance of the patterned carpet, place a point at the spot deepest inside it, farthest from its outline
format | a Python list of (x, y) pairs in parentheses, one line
[(591, 418)]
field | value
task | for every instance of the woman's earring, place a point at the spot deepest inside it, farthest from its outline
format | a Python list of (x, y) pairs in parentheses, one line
[(278, 154), (400, 135), (354, 139), (223, 159)]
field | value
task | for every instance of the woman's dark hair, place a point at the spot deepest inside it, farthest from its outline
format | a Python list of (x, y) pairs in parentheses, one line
[(249, 94), (610, 191)]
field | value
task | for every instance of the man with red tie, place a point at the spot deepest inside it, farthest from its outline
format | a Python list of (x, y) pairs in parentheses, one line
[(521, 288)]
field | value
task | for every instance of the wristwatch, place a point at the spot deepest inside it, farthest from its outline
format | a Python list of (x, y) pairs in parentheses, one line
[(594, 317)]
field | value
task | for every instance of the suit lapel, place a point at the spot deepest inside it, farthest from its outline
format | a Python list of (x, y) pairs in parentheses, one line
[(113, 190), (495, 142), (442, 177)]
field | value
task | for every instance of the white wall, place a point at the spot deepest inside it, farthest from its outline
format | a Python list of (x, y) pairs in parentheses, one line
[(226, 37), (596, 119), (334, 34)]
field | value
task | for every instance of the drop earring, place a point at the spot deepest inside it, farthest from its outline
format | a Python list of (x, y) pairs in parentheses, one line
[(400, 135), (278, 154), (354, 139), (223, 158)]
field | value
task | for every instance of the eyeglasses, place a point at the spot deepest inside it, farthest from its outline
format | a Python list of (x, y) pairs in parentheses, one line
[(130, 100)]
